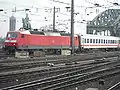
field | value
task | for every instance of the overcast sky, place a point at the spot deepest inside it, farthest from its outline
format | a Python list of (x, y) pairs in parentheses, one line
[(42, 12)]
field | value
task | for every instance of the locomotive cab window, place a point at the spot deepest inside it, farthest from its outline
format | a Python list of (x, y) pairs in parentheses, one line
[(12, 35), (22, 36)]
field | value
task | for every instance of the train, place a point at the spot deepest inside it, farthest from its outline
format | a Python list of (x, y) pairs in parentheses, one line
[(56, 41)]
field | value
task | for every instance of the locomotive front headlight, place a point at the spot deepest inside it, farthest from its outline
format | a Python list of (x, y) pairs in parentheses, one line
[(14, 44)]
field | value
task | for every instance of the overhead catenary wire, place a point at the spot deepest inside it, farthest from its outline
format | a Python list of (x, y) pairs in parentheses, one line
[(95, 5), (45, 8), (50, 8), (113, 3)]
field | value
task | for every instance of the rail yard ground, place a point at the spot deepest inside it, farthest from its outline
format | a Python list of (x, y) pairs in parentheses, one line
[(99, 71)]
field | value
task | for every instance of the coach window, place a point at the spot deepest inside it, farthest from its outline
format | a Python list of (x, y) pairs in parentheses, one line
[(90, 40), (93, 40), (87, 40), (96, 40), (101, 40), (109, 41), (22, 36), (83, 40), (113, 41), (104, 41), (117, 41)]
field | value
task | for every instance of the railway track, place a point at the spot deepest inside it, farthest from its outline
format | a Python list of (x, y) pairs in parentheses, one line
[(59, 65), (16, 64), (81, 78), (4, 55), (63, 82), (115, 87), (10, 64), (30, 68), (70, 73), (51, 57)]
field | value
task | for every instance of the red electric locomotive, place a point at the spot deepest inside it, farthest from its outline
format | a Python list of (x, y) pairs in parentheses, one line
[(37, 40)]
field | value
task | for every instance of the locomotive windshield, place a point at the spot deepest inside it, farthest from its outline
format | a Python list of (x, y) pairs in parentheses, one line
[(12, 35)]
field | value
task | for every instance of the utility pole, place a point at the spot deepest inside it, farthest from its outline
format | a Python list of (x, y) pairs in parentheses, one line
[(54, 19), (72, 27)]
